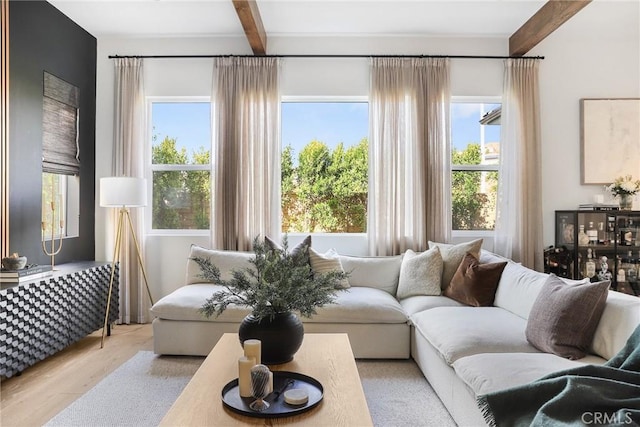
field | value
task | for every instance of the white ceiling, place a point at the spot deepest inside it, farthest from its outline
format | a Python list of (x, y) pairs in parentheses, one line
[(178, 18)]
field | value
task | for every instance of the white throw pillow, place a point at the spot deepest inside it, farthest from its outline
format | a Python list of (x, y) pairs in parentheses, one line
[(452, 256), (226, 261), (326, 263), (379, 272), (420, 273)]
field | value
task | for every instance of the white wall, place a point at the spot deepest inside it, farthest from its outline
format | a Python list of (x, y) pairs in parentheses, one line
[(603, 62), (579, 63)]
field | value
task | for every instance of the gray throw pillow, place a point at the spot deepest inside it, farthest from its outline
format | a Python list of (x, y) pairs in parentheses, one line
[(564, 317), (301, 249)]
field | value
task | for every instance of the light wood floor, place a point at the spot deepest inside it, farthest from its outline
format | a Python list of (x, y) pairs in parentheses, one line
[(46, 388)]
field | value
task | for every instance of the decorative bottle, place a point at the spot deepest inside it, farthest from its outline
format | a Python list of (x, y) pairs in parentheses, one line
[(589, 265), (583, 239), (592, 234)]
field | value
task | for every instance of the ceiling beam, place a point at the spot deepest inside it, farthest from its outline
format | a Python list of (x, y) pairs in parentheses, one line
[(546, 20), (249, 15)]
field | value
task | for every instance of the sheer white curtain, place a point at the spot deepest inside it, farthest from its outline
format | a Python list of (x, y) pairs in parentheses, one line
[(518, 232), (409, 154), (128, 160), (246, 151)]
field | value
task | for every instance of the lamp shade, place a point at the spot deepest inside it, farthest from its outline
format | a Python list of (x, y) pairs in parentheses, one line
[(123, 191)]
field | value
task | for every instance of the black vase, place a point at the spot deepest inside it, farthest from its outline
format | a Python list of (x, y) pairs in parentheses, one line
[(281, 336)]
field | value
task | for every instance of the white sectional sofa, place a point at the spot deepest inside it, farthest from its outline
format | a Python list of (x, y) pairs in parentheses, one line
[(463, 351)]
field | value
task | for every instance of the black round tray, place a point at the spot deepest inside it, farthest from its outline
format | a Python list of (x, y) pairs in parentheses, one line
[(278, 407)]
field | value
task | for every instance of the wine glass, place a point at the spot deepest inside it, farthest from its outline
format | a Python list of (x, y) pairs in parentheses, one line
[(259, 387)]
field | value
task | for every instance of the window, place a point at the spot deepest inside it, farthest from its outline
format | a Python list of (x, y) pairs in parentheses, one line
[(324, 183), (475, 154), (180, 164), (60, 206)]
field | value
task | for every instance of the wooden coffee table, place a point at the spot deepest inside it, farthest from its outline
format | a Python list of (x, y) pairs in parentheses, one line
[(326, 357)]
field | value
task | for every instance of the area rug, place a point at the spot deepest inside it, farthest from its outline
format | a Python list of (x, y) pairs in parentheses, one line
[(141, 391)]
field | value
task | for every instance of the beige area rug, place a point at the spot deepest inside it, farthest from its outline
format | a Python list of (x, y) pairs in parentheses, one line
[(141, 391)]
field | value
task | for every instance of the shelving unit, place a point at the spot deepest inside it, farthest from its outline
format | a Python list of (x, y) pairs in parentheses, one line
[(41, 317), (611, 234)]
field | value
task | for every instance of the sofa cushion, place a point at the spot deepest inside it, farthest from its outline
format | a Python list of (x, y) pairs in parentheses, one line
[(452, 256), (184, 304), (519, 286), (489, 372), (326, 263), (619, 319), (564, 317), (374, 272), (226, 261), (361, 305), (474, 283), (462, 331), (300, 247), (419, 303), (420, 273)]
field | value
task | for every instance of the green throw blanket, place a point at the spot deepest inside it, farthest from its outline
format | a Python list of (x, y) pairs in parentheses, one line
[(586, 395)]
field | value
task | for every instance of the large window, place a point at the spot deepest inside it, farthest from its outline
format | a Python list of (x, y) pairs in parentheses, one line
[(324, 166), (180, 164), (475, 154), (60, 205)]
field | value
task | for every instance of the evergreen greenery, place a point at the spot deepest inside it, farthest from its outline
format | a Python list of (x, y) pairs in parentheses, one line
[(278, 282)]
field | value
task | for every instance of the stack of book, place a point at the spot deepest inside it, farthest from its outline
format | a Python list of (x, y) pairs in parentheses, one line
[(598, 207), (30, 272)]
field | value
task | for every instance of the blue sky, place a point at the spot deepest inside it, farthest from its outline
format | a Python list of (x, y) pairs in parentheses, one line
[(330, 122)]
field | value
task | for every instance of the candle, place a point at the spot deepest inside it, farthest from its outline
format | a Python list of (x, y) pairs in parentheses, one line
[(270, 384), (244, 375), (253, 348)]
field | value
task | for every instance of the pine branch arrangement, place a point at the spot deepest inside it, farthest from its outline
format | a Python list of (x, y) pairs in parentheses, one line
[(277, 282)]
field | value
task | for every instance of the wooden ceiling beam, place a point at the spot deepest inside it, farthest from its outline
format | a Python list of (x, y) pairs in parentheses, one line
[(546, 20), (249, 15)]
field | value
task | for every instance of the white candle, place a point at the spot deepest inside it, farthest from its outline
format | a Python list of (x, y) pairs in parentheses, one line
[(253, 348), (244, 375), (270, 386)]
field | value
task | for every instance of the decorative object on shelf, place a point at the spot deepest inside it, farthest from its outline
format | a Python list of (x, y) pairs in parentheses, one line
[(624, 188), (14, 262), (124, 193), (604, 273), (53, 249), (277, 284)]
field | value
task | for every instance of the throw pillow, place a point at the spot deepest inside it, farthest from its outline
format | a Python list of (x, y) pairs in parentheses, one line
[(452, 256), (420, 273), (301, 249), (327, 262), (564, 317), (473, 283)]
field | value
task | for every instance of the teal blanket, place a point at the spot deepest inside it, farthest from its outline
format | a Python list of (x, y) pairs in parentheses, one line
[(586, 395)]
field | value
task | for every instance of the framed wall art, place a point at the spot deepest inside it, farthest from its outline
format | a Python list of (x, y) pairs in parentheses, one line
[(610, 139)]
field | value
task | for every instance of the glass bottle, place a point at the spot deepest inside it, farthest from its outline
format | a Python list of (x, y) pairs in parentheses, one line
[(583, 239), (602, 238), (632, 272), (589, 265), (592, 234)]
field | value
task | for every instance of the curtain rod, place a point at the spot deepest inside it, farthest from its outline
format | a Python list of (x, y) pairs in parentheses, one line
[(327, 56)]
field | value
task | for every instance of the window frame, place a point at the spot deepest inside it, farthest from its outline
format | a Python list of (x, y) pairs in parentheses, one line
[(150, 167), (318, 99), (468, 234)]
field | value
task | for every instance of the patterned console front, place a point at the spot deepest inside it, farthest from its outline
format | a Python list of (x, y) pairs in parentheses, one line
[(40, 318)]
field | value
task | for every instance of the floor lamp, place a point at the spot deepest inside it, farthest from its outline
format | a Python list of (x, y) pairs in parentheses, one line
[(123, 193)]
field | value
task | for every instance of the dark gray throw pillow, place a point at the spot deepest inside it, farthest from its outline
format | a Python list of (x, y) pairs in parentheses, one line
[(301, 248), (565, 316)]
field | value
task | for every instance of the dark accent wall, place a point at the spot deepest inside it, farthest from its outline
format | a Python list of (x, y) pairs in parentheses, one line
[(42, 39)]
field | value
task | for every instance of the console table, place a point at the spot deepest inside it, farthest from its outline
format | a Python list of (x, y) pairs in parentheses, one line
[(41, 317)]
